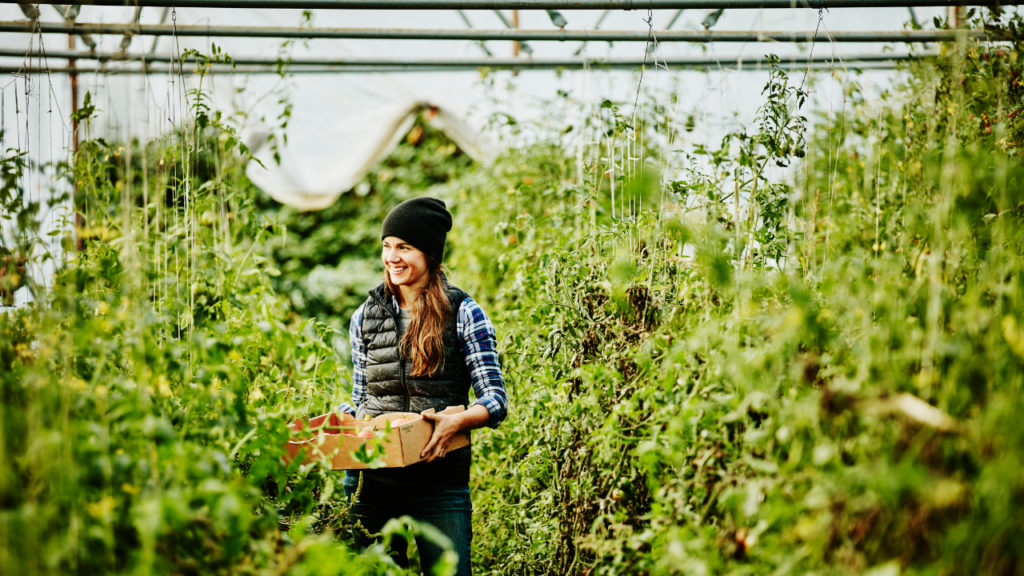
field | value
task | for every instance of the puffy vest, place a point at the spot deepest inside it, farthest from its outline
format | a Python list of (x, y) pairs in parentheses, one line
[(389, 385), (391, 388)]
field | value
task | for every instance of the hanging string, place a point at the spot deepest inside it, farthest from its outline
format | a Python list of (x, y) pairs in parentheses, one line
[(57, 216), (145, 240), (173, 174), (833, 150), (188, 146), (647, 44)]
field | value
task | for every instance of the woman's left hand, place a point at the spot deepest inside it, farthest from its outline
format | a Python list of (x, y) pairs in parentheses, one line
[(446, 426)]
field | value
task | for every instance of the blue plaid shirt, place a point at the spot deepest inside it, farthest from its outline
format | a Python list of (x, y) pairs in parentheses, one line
[(479, 347)]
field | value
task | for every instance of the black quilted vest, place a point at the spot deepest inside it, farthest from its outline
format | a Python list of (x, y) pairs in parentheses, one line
[(391, 388)]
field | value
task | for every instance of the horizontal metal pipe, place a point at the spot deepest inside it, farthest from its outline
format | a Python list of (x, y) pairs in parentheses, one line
[(447, 63), (532, 4), (744, 66), (904, 36)]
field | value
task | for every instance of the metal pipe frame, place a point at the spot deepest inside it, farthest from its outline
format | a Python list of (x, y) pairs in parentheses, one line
[(453, 63), (534, 4), (899, 36), (162, 68)]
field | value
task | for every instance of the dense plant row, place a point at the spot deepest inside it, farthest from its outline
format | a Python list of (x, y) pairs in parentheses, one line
[(145, 401), (853, 410), (710, 373)]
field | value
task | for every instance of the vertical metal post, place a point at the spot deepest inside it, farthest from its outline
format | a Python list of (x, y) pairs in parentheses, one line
[(73, 77), (515, 25), (515, 45), (73, 81)]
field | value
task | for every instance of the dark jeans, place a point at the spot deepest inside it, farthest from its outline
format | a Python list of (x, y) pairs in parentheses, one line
[(444, 506)]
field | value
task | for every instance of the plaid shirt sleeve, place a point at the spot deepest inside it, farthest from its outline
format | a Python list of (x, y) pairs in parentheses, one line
[(355, 332), (479, 346)]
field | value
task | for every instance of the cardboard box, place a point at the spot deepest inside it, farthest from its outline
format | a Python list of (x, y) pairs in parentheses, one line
[(337, 435)]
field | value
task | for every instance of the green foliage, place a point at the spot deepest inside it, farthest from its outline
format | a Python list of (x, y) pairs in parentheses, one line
[(736, 189), (144, 399), (143, 404), (721, 374), (678, 407)]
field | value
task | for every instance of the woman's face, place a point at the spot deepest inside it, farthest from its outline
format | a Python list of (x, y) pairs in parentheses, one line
[(406, 265)]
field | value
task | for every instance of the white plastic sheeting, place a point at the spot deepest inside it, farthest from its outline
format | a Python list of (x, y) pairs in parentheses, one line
[(314, 172)]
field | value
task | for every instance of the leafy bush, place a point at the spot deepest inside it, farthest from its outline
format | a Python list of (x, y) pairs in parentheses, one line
[(710, 372), (677, 410), (144, 401)]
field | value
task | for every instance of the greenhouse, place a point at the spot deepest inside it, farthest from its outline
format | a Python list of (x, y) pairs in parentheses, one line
[(511, 287)]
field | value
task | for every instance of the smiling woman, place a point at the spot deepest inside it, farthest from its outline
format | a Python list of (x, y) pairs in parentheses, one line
[(420, 343)]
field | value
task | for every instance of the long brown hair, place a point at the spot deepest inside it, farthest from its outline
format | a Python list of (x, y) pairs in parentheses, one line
[(423, 341)]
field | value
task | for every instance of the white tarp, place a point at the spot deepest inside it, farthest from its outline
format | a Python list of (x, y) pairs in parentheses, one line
[(314, 172)]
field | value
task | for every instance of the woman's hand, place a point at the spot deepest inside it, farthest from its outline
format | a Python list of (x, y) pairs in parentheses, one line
[(446, 426)]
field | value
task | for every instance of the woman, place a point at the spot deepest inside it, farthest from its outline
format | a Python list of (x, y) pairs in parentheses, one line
[(419, 343)]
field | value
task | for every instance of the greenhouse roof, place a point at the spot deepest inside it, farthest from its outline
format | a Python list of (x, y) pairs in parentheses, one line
[(322, 70)]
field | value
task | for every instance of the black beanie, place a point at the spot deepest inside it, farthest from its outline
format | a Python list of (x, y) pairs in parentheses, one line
[(422, 222)]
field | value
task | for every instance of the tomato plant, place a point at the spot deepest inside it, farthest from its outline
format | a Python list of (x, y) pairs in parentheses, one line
[(712, 370)]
